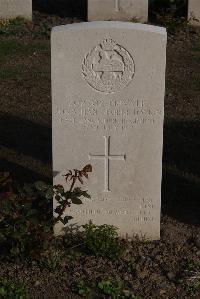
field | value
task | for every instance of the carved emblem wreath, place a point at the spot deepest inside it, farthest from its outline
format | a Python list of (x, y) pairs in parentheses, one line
[(108, 67)]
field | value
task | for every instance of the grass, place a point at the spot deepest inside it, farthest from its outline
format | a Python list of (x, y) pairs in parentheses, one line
[(196, 47), (194, 82), (196, 52), (11, 51), (108, 288), (11, 290), (20, 27), (20, 73), (189, 87), (12, 26), (15, 47)]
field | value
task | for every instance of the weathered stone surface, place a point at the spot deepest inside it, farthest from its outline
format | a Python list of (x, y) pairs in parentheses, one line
[(10, 9), (194, 12), (118, 10), (108, 82)]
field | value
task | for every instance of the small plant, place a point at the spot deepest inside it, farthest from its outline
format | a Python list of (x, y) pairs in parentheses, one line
[(196, 286), (191, 276), (25, 219), (11, 290), (51, 261), (102, 240), (114, 289), (196, 51), (26, 224), (82, 289), (13, 26), (111, 287), (192, 265), (175, 7), (169, 13), (73, 195), (21, 27)]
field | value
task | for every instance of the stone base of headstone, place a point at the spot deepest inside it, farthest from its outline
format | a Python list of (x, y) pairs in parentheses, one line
[(11, 9), (194, 12)]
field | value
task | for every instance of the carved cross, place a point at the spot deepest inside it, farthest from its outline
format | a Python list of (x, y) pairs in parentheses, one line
[(107, 157)]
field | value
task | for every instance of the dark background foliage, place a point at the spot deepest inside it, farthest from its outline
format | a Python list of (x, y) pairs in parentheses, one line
[(78, 8), (63, 8)]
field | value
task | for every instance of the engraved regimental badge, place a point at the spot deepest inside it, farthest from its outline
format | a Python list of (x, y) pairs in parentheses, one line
[(109, 67)]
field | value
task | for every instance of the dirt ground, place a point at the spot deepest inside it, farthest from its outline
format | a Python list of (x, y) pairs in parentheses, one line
[(169, 268)]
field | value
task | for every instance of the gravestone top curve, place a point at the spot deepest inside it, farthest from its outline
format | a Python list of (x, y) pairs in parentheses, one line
[(109, 25)]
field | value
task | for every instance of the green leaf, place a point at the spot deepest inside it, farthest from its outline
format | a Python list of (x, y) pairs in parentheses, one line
[(66, 219), (77, 190), (49, 193), (67, 195), (2, 291), (40, 186), (58, 209), (58, 189), (85, 194), (76, 201)]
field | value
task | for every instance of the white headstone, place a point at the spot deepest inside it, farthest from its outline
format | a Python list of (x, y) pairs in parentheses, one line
[(118, 10), (10, 9), (194, 12), (108, 83)]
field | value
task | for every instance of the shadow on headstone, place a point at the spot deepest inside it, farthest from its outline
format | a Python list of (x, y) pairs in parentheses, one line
[(181, 172), (181, 163), (62, 8)]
